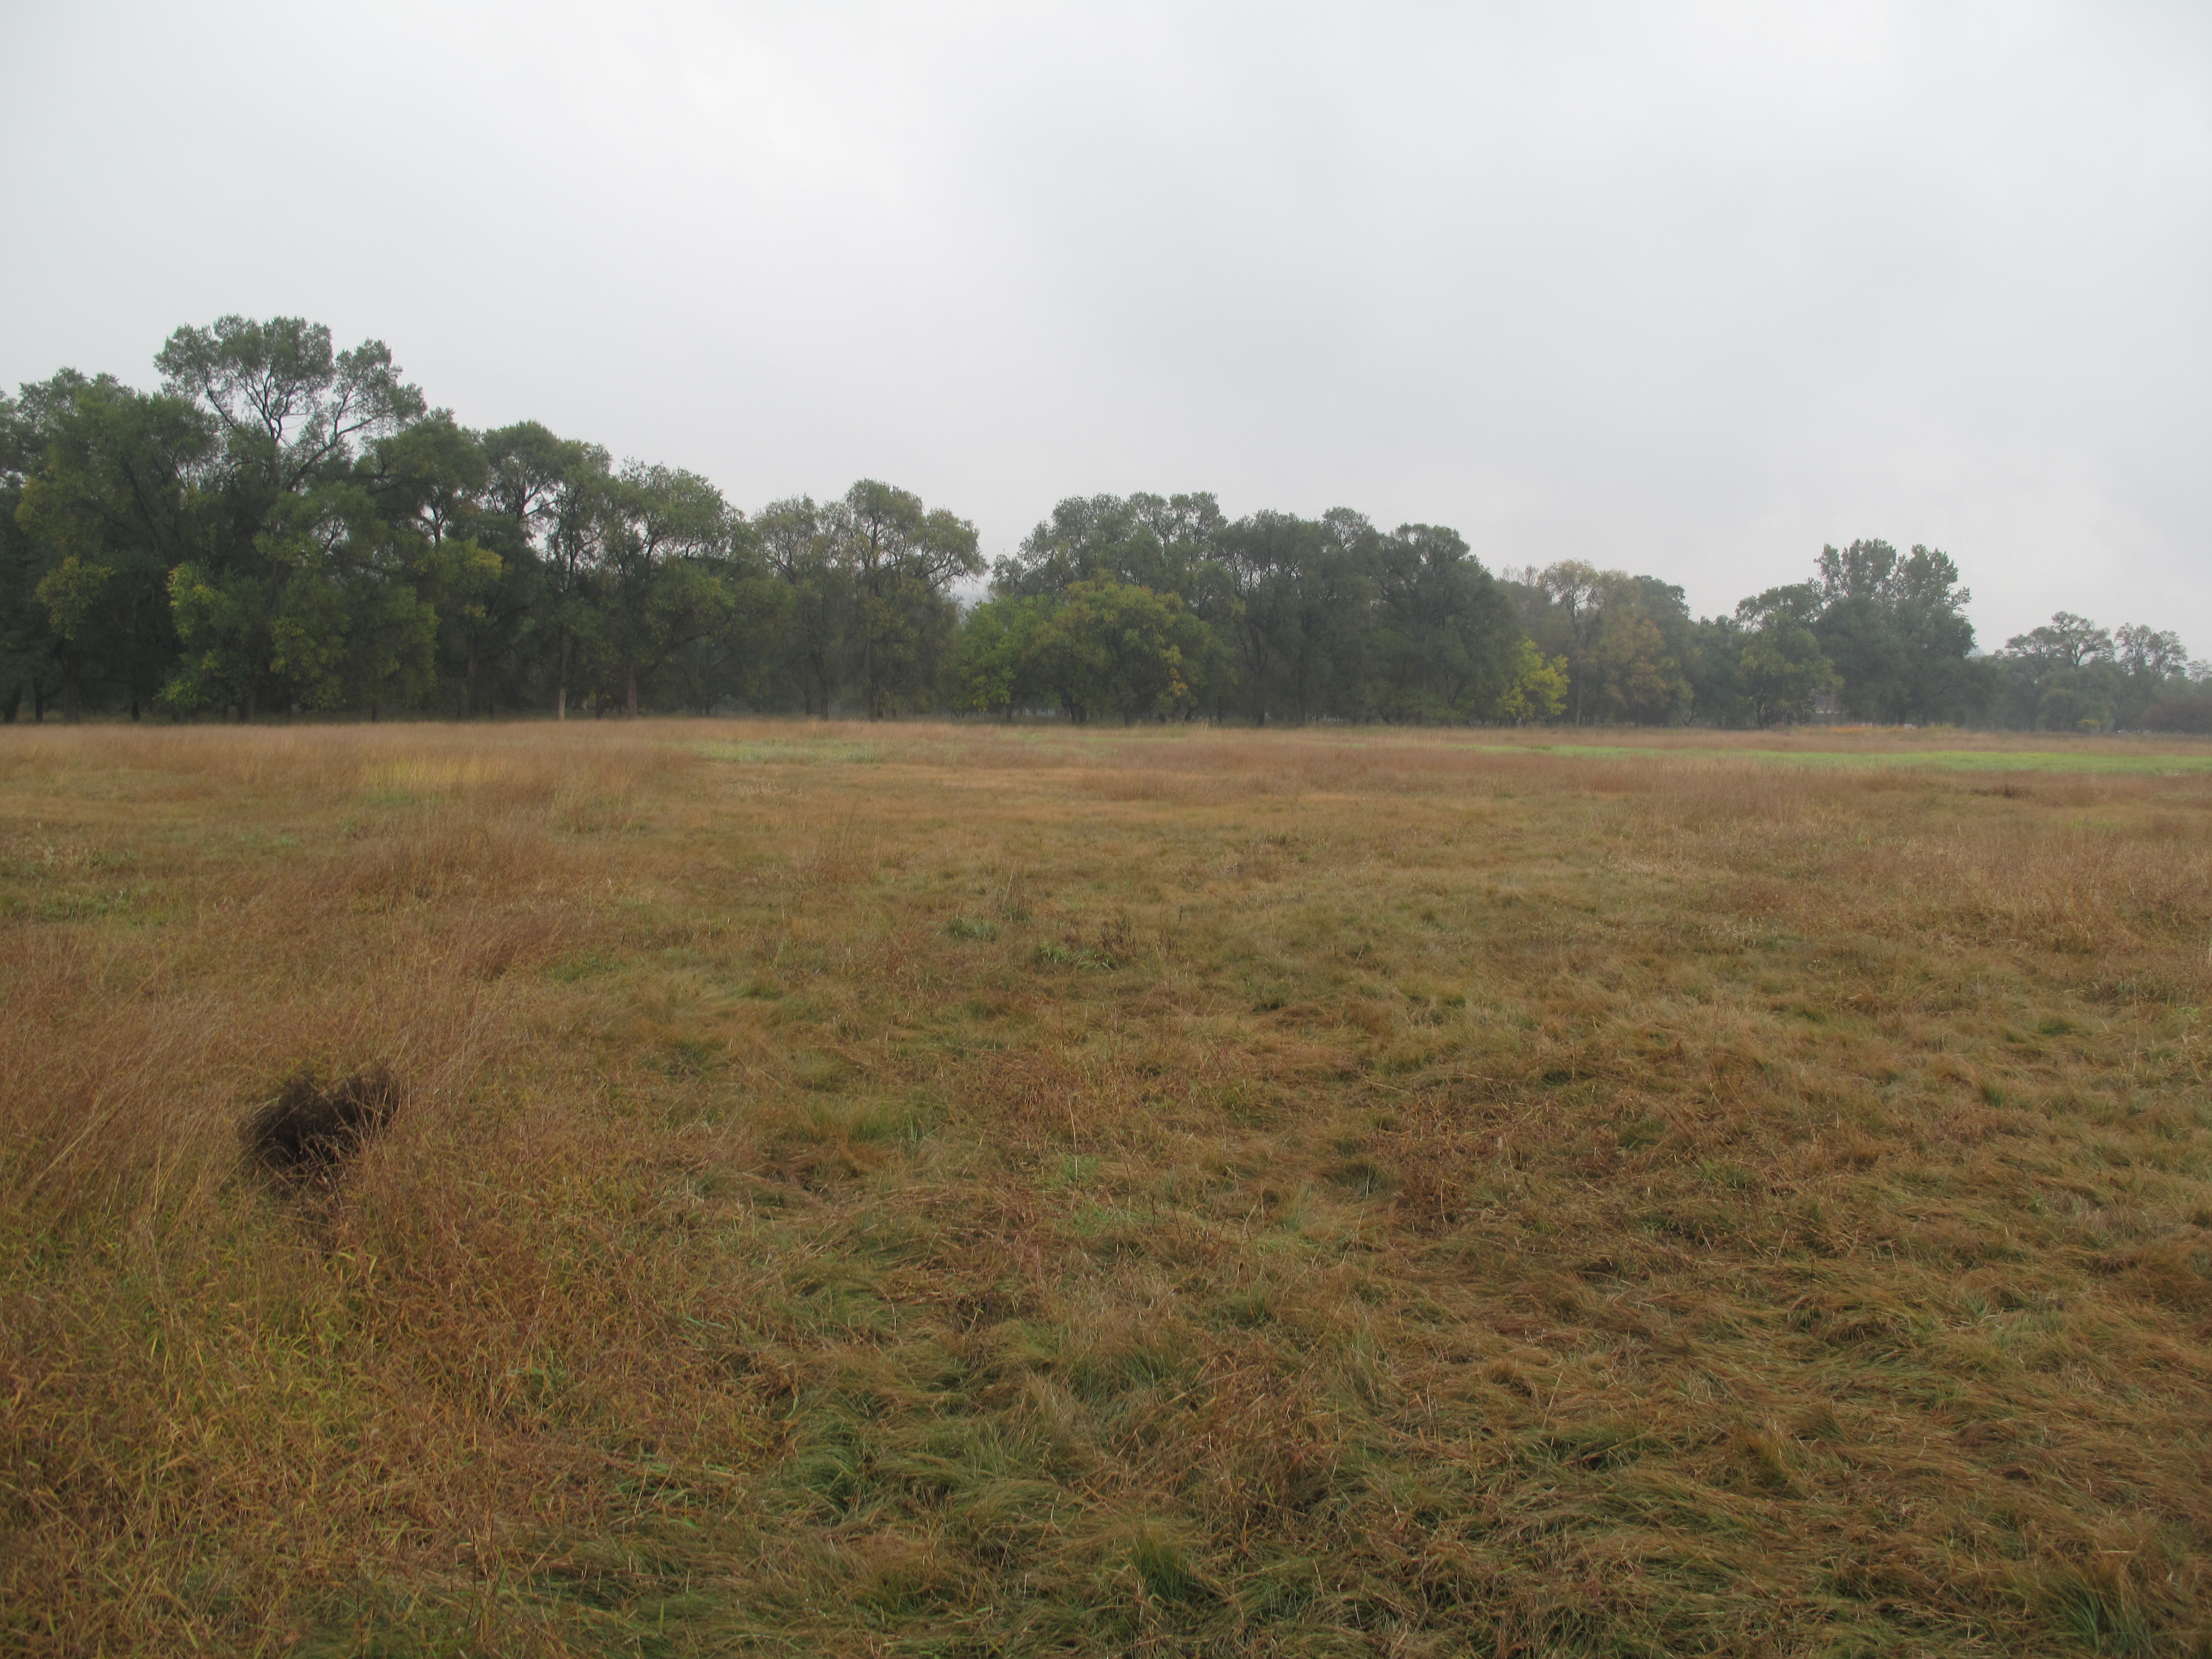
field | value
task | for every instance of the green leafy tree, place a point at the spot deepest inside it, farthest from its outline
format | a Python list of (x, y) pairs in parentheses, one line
[(1304, 588), (666, 538), (24, 647), (2155, 666), (1782, 672), (816, 652), (2183, 700), (1168, 544), (737, 659), (430, 483), (391, 583), (106, 507), (1537, 693), (327, 613), (1447, 643), (219, 661), (574, 545), (291, 414), (71, 591), (1895, 628), (2064, 676), (1717, 692), (1108, 647), (288, 407), (541, 517), (901, 559), (1634, 678), (1562, 606), (1627, 640), (995, 661)]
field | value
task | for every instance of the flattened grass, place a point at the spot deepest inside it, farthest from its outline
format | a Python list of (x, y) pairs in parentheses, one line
[(1019, 1191)]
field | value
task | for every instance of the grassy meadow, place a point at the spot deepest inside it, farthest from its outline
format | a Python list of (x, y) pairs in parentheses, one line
[(963, 1190)]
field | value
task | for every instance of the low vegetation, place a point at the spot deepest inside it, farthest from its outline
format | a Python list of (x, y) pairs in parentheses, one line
[(912, 1190)]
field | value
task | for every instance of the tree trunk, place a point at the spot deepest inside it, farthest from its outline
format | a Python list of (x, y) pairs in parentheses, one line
[(469, 679), (868, 659), (134, 672), (630, 688)]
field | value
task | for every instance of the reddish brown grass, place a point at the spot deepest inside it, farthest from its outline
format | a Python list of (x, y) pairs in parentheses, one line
[(960, 1189)]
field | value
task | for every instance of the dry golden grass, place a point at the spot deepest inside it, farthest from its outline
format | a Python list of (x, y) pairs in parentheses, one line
[(966, 1190)]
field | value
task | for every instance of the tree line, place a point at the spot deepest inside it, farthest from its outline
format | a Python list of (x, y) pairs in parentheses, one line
[(284, 527)]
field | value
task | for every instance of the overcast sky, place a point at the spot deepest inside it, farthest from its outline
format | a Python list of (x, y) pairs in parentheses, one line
[(1684, 289)]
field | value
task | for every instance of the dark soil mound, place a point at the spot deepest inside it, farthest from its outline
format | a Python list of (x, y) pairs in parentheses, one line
[(311, 1130)]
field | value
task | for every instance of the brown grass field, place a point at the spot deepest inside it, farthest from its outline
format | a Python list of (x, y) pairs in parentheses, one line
[(966, 1190)]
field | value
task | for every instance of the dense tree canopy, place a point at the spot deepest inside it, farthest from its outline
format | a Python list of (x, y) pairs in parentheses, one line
[(286, 527)]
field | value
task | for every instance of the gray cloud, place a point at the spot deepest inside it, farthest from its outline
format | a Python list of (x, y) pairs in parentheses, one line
[(1689, 289)]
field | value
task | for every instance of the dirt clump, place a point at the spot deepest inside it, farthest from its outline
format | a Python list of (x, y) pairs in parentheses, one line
[(314, 1128)]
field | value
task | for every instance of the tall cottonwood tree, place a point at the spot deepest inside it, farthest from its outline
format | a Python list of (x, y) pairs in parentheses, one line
[(664, 545), (1447, 640), (288, 535), (795, 539), (575, 541), (1781, 670), (1895, 628), (1302, 589), (1168, 544), (901, 559), (523, 466), (430, 483)]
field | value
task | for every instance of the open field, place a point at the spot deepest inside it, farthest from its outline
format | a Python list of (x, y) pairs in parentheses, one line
[(966, 1190)]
